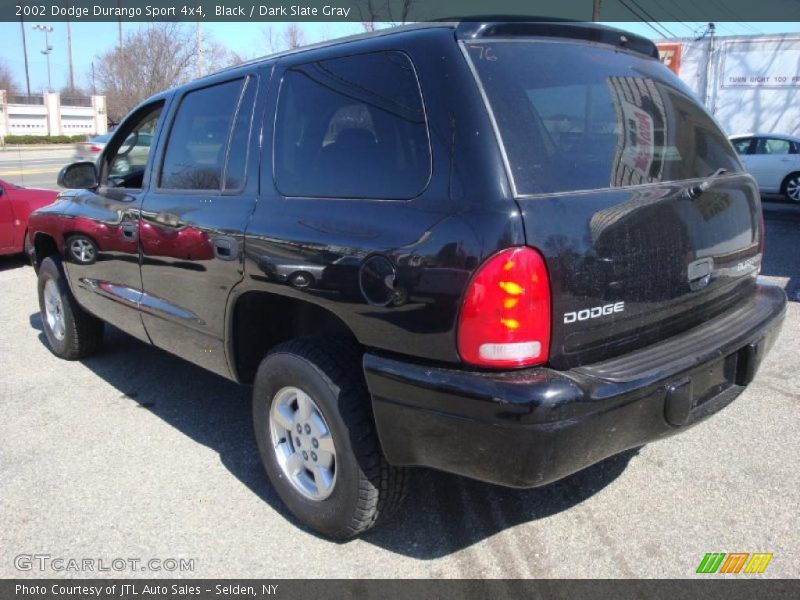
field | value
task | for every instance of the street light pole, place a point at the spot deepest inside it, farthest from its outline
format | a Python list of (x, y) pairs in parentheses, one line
[(25, 52), (69, 54), (47, 50)]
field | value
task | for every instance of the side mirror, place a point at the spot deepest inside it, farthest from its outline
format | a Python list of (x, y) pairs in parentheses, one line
[(79, 175)]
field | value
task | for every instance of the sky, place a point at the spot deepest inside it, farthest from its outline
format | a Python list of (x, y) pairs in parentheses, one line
[(246, 39)]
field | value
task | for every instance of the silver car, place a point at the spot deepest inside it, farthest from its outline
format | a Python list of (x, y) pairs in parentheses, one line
[(773, 159), (91, 148), (128, 160)]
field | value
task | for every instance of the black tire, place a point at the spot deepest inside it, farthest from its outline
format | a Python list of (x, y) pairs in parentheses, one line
[(790, 187), (366, 488), (83, 333)]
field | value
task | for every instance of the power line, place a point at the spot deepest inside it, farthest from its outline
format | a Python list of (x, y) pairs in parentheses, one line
[(674, 16), (723, 6), (649, 16), (642, 19)]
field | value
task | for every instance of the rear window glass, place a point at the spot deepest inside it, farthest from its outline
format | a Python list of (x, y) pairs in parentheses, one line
[(577, 116)]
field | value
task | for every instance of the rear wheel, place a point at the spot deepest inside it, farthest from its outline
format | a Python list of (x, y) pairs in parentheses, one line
[(317, 441), (791, 187), (71, 332)]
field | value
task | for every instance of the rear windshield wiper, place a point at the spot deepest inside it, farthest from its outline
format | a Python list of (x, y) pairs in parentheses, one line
[(693, 191)]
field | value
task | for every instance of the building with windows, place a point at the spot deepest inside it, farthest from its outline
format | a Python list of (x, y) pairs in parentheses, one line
[(51, 114)]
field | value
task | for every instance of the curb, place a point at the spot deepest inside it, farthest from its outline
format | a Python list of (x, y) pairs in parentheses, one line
[(28, 147)]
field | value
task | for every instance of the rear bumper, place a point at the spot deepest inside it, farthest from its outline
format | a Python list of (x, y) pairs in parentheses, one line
[(529, 427)]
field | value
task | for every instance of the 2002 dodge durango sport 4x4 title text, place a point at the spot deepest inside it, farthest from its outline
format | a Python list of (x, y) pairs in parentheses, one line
[(506, 250)]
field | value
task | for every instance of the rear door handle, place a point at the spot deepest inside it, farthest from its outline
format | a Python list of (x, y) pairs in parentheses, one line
[(226, 248)]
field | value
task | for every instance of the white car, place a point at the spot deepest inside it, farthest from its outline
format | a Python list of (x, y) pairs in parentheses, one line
[(773, 159)]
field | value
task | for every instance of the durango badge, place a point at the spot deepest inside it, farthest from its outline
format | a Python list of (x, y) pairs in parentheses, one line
[(594, 312)]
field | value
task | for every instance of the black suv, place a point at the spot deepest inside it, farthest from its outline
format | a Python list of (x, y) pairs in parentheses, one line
[(506, 250)]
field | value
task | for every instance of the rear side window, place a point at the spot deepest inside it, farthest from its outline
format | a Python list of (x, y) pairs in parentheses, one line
[(207, 121), (576, 116), (352, 127), (773, 146)]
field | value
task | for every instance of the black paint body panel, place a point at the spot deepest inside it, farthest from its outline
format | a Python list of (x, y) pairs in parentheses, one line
[(173, 266), (533, 426)]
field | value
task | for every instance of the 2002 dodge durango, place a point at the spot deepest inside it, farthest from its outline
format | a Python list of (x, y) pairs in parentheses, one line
[(506, 250)]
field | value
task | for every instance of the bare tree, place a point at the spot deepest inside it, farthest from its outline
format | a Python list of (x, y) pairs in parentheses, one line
[(7, 82), (391, 12), (216, 56), (271, 40), (400, 13), (368, 13), (156, 57), (293, 36), (73, 92), (290, 38)]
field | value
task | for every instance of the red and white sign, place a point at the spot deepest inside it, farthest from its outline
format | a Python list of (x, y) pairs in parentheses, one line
[(670, 55)]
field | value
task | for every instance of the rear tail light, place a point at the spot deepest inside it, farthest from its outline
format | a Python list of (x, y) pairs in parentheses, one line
[(96, 149), (505, 318)]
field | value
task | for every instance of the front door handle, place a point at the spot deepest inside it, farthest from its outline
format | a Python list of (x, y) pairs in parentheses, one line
[(130, 230), (226, 248)]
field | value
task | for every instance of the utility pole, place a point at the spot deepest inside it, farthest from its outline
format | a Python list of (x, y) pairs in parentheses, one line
[(711, 97), (94, 89), (596, 6), (47, 50), (25, 52), (69, 57)]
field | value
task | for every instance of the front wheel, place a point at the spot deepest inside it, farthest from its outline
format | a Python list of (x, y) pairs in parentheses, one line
[(317, 441), (791, 187), (301, 280), (71, 332), (81, 250)]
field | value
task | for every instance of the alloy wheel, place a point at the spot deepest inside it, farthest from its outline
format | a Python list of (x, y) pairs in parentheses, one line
[(54, 310), (82, 250), (793, 188), (303, 443)]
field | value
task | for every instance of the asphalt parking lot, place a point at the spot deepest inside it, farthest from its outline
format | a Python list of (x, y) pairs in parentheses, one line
[(135, 454)]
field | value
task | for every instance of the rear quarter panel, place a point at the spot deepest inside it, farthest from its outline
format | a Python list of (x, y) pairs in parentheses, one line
[(435, 241)]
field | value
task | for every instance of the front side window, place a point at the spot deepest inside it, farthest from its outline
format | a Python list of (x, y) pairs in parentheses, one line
[(352, 127), (197, 148), (127, 162), (580, 116), (743, 146)]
